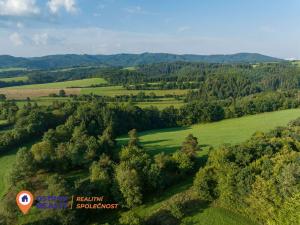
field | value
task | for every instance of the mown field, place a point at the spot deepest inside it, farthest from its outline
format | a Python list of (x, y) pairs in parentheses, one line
[(35, 93), (230, 131), (65, 84), (41, 90)]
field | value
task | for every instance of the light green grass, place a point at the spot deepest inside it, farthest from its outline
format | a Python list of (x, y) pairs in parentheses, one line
[(12, 69), (3, 122), (230, 131), (64, 84), (10, 79), (216, 216), (297, 62), (6, 162), (119, 90)]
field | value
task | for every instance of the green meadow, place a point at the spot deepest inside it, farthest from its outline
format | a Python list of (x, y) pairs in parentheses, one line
[(10, 79), (65, 84), (230, 131), (216, 216), (6, 162)]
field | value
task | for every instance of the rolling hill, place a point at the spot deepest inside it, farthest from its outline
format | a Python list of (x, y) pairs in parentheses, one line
[(125, 60)]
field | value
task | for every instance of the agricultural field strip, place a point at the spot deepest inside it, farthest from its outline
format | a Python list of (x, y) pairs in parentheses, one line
[(65, 84)]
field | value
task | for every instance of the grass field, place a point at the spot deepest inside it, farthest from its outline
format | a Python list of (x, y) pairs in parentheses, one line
[(35, 93), (64, 84), (119, 90), (78, 87), (216, 216), (214, 134), (297, 63), (6, 162), (41, 90), (10, 79)]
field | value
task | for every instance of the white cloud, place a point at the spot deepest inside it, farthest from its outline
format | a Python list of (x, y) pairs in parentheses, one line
[(56, 5), (18, 7), (40, 39), (16, 39)]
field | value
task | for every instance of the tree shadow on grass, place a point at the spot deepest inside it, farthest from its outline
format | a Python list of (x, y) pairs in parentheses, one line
[(156, 149), (165, 130), (154, 142), (162, 217), (194, 206), (166, 217)]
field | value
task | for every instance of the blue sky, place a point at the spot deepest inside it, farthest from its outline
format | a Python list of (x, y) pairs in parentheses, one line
[(42, 27)]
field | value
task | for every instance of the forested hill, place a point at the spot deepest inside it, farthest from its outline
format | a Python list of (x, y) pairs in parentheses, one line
[(125, 60)]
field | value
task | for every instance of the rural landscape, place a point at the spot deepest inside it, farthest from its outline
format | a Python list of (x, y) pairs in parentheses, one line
[(172, 142), (149, 112)]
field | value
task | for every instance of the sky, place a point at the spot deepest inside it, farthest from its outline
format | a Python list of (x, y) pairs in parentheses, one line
[(45, 27)]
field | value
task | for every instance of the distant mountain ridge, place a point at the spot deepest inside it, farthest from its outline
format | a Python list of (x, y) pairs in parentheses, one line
[(125, 60)]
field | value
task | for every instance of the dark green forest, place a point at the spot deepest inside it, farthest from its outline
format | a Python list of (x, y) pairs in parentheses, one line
[(125, 60)]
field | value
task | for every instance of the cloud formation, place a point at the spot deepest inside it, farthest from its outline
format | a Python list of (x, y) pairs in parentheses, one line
[(18, 7), (56, 5)]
